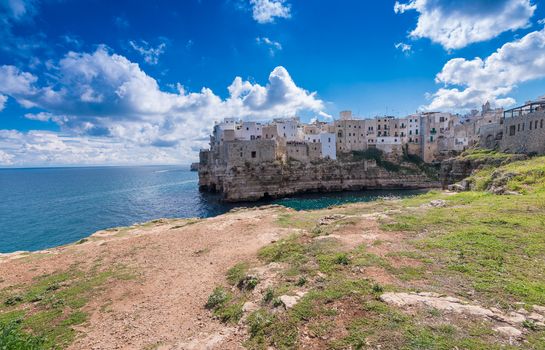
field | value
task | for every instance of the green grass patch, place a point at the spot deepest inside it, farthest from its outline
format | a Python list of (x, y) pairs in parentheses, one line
[(48, 308), (288, 250), (497, 243), (237, 273)]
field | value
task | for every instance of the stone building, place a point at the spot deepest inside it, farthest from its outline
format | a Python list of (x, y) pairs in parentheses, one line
[(351, 134), (436, 131), (520, 130), (303, 151), (239, 152)]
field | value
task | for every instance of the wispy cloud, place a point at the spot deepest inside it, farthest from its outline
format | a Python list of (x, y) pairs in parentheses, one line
[(405, 48), (272, 45), (121, 22), (3, 100), (149, 53)]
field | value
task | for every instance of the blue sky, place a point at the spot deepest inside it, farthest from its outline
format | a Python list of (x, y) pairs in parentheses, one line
[(138, 82)]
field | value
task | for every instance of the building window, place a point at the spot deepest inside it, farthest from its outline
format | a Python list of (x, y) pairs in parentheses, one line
[(511, 130), (541, 124), (240, 154), (254, 154), (329, 139)]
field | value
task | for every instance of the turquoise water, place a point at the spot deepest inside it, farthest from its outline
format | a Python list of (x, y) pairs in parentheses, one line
[(47, 207)]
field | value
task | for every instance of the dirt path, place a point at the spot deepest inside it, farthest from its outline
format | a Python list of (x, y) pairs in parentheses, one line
[(177, 269)]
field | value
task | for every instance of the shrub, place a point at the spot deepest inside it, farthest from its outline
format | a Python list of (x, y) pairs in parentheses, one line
[(268, 296), (302, 281), (218, 297), (248, 283), (258, 322), (231, 313), (368, 154), (341, 259), (377, 288), (13, 300)]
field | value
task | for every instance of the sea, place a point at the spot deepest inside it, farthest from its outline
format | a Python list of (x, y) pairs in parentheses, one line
[(46, 207)]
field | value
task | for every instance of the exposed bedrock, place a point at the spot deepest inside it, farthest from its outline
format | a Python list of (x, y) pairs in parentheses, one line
[(275, 179)]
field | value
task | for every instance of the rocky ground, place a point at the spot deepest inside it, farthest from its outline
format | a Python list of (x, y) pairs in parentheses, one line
[(438, 271)]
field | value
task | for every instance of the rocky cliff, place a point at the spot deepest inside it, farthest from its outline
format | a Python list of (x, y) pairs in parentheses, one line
[(275, 179), (457, 169)]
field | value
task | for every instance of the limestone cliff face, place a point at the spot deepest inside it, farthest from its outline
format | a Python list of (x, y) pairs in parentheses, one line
[(457, 169), (274, 179)]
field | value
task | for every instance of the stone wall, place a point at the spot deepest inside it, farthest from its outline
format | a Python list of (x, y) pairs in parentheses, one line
[(519, 134), (254, 151), (275, 179), (297, 151)]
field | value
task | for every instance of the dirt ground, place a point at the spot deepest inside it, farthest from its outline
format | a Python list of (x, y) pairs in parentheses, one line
[(177, 269)]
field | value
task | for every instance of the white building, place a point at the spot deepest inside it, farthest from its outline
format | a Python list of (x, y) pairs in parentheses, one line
[(328, 141), (248, 131), (329, 145), (287, 128)]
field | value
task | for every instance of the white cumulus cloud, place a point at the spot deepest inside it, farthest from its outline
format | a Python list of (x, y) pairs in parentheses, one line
[(265, 11), (101, 99), (457, 23), (469, 83)]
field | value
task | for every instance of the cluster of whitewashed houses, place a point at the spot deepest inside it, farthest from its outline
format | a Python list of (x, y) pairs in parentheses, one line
[(431, 135)]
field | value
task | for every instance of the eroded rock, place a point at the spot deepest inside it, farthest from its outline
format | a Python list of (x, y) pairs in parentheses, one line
[(509, 321), (509, 331), (290, 301)]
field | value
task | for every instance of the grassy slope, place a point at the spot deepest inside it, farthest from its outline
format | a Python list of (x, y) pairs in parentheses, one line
[(479, 246), (43, 314)]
